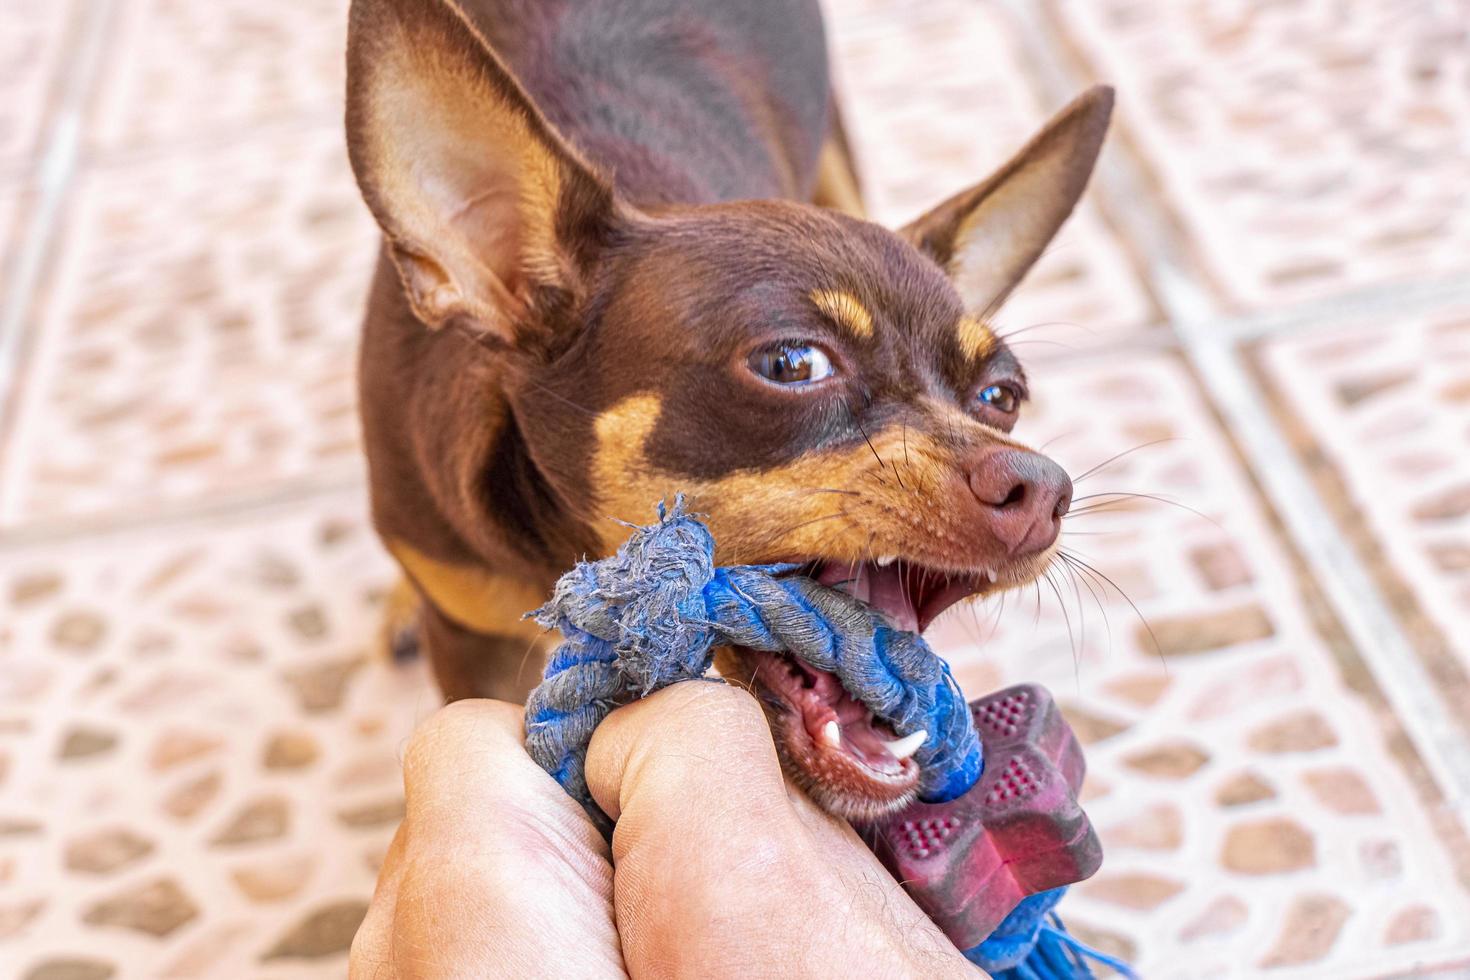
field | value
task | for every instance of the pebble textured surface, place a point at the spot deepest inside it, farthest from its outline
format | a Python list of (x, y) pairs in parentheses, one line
[(1265, 298), (1310, 148)]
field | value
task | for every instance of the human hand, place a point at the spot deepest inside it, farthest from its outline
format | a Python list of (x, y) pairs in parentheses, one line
[(717, 867)]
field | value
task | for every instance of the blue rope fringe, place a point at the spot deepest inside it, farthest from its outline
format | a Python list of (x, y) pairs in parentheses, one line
[(651, 616), (1032, 944)]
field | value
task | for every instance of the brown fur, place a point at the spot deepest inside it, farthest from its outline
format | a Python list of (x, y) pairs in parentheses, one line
[(594, 210)]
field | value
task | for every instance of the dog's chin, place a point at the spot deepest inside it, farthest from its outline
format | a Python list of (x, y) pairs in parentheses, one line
[(829, 743), (851, 764)]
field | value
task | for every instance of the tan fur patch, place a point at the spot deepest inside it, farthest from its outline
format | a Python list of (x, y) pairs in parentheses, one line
[(845, 310), (836, 187), (474, 598), (976, 338), (847, 505)]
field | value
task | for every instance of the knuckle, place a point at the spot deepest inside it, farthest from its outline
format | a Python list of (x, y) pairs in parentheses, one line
[(455, 724), (701, 704), (364, 956), (699, 724)]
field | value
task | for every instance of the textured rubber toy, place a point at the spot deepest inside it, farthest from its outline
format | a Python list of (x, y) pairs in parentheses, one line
[(1018, 831)]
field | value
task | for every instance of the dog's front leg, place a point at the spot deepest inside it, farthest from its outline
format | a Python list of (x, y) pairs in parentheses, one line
[(468, 664)]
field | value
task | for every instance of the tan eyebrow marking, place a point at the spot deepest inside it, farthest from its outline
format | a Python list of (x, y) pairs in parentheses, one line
[(976, 338), (844, 309)]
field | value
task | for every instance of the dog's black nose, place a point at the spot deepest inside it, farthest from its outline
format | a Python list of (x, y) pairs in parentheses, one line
[(1024, 496)]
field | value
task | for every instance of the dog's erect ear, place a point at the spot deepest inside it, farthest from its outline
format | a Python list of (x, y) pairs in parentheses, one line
[(482, 202), (989, 235)]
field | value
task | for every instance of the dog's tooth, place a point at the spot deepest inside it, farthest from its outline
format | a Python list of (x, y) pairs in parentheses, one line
[(990, 573), (885, 560), (832, 734), (904, 747)]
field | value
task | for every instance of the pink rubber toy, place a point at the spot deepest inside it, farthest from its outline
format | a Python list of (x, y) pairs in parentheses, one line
[(1018, 831)]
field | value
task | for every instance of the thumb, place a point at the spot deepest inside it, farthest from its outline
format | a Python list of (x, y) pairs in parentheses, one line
[(720, 869)]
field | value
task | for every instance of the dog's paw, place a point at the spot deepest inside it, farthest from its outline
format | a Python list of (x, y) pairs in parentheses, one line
[(398, 638)]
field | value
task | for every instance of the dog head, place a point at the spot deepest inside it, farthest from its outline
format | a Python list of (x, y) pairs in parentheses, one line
[(827, 391)]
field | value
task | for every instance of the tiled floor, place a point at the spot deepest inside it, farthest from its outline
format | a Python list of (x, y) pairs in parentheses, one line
[(1309, 148), (31, 46), (172, 366), (198, 755)]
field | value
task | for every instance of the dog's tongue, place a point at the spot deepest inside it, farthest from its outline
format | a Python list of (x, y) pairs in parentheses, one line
[(880, 586)]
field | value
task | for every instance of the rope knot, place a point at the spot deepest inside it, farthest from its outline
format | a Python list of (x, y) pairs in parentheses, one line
[(650, 615), (656, 581)]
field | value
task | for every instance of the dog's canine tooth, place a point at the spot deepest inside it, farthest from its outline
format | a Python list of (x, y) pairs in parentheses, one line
[(885, 560), (904, 747), (832, 734), (990, 574)]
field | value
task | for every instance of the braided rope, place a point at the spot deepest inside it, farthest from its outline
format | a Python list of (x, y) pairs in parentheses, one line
[(652, 614)]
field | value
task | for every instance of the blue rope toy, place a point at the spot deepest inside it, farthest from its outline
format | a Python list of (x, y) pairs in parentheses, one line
[(652, 615)]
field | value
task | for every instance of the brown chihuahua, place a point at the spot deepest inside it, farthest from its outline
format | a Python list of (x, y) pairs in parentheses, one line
[(617, 266)]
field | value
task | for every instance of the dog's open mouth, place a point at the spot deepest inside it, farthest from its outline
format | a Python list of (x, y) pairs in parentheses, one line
[(849, 762)]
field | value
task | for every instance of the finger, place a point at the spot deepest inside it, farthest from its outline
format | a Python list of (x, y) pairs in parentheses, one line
[(502, 874), (692, 778), (692, 741), (371, 956), (719, 871), (469, 754)]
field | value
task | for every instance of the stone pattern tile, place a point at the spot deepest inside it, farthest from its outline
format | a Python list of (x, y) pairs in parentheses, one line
[(1309, 147), (198, 760), (32, 40), (201, 334), (975, 110), (1388, 406), (199, 757), (1251, 812), (186, 70)]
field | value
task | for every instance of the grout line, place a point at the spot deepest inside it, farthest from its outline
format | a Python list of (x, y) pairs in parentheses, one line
[(1208, 339), (151, 151), (55, 171), (1376, 633), (1398, 299), (1214, 352)]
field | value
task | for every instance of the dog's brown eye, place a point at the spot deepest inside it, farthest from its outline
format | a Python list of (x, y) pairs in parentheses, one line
[(791, 364), (1002, 398)]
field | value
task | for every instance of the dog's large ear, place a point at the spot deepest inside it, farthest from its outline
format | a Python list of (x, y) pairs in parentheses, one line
[(482, 202), (988, 236)]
